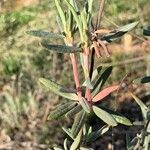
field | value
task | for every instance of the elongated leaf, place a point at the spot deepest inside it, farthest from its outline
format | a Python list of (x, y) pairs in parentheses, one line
[(75, 14), (61, 110), (85, 105), (87, 83), (118, 117), (143, 107), (119, 32), (54, 87), (77, 141), (65, 144), (74, 111), (142, 80), (105, 116), (105, 93), (95, 135), (61, 12), (68, 132), (128, 142), (101, 80), (61, 48), (96, 72), (45, 34), (78, 123), (146, 31), (122, 120), (128, 27), (74, 4)]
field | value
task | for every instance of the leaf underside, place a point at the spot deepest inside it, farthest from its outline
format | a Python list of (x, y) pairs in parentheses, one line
[(61, 48), (45, 34)]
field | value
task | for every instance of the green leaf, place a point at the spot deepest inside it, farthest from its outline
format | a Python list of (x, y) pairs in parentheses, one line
[(61, 48), (61, 110), (90, 4), (142, 80), (146, 31), (65, 144), (74, 111), (95, 135), (87, 83), (118, 117), (78, 123), (128, 27), (68, 132), (143, 107), (101, 80), (55, 87), (85, 105), (119, 32), (96, 72), (44, 34), (61, 12), (105, 116), (129, 145), (122, 120), (77, 141), (75, 14)]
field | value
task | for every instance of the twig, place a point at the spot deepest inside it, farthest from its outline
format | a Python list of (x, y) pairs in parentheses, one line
[(99, 16)]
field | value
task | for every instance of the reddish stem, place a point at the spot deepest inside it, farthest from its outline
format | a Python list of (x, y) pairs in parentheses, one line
[(76, 74), (86, 64)]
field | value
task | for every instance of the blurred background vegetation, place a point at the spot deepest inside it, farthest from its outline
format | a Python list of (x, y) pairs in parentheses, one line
[(24, 104)]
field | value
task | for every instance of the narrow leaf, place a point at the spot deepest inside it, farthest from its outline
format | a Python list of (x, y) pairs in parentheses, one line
[(76, 17), (74, 111), (143, 107), (119, 32), (118, 117), (61, 48), (78, 123), (85, 104), (61, 110), (77, 141), (61, 12), (142, 80), (68, 132), (55, 87), (87, 83), (96, 72), (105, 116), (45, 34), (95, 135), (105, 93), (128, 27), (122, 120), (101, 80), (65, 144)]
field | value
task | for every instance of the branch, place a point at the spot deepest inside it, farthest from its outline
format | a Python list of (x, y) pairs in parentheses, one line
[(99, 16)]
